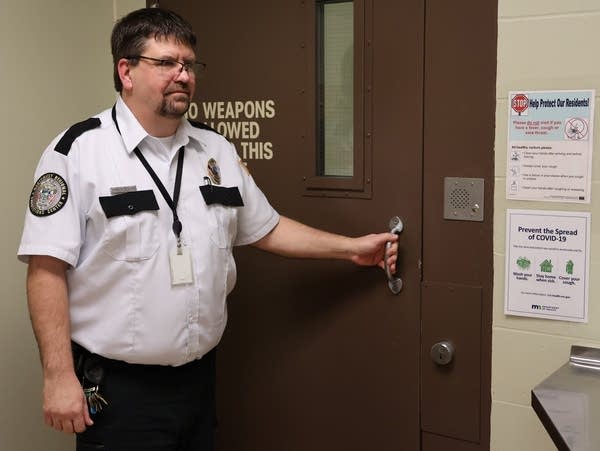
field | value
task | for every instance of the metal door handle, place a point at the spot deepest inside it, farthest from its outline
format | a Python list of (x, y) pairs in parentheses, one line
[(394, 283)]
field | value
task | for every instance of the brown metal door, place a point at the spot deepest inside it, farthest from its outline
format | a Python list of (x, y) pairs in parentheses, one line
[(320, 355)]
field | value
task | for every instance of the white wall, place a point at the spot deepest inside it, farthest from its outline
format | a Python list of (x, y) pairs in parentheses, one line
[(55, 70), (542, 45)]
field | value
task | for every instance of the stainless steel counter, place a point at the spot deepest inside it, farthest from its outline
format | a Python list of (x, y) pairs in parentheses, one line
[(568, 402)]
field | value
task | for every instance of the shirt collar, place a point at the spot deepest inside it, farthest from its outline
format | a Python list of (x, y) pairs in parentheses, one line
[(131, 130), (188, 132), (133, 133)]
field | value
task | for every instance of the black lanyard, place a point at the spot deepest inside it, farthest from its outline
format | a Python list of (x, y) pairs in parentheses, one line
[(171, 202)]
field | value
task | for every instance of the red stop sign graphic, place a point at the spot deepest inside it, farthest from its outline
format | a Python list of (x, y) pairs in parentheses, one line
[(519, 103)]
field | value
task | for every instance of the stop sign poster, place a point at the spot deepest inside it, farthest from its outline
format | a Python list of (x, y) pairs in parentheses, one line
[(550, 143)]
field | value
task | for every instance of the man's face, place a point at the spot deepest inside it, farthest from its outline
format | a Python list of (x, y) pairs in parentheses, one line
[(158, 90)]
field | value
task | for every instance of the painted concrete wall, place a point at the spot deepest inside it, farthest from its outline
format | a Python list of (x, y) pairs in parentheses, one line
[(542, 45), (56, 70)]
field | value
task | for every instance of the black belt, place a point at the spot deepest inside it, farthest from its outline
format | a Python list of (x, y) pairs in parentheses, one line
[(86, 363), (94, 371)]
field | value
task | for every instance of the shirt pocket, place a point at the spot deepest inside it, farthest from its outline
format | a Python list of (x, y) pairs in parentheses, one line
[(132, 225), (223, 227)]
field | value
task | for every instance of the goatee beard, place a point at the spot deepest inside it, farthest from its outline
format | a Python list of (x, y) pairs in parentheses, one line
[(175, 108)]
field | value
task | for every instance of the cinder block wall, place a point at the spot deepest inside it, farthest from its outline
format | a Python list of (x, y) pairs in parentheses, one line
[(56, 70), (542, 45)]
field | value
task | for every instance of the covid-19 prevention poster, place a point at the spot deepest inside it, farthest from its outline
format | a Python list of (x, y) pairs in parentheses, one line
[(547, 264), (550, 143)]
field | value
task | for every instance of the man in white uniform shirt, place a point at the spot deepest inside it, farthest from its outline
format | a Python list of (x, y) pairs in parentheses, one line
[(128, 237)]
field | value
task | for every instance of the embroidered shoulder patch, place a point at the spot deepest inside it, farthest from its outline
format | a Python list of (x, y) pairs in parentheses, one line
[(49, 195)]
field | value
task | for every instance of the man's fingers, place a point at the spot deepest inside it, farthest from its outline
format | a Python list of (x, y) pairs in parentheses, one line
[(391, 252), (389, 237), (391, 255), (79, 424), (69, 423), (86, 414), (48, 420)]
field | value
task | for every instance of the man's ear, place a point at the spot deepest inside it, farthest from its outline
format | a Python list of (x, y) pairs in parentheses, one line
[(124, 71)]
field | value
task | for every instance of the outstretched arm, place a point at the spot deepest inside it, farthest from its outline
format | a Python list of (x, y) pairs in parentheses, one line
[(65, 408), (294, 239)]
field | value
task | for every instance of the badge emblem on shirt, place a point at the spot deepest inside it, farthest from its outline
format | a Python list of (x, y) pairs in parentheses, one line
[(49, 195), (244, 166), (214, 171)]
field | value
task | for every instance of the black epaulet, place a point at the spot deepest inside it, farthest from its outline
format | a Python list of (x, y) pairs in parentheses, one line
[(203, 126), (64, 144)]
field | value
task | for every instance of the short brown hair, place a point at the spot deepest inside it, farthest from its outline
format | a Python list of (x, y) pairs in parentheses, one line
[(130, 33)]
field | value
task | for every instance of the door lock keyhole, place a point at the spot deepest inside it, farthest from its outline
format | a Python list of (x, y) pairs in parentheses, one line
[(442, 352)]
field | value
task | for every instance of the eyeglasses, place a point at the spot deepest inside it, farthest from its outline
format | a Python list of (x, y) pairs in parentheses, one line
[(172, 68)]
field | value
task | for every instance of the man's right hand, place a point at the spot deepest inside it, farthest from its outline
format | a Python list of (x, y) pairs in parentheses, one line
[(65, 406)]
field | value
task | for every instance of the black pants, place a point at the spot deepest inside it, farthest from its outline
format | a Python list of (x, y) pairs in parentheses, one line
[(154, 408)]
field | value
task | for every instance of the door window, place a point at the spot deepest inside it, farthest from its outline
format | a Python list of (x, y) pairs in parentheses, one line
[(341, 162), (335, 88)]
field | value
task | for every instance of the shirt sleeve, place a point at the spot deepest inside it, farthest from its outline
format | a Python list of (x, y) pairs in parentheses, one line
[(257, 218), (53, 223)]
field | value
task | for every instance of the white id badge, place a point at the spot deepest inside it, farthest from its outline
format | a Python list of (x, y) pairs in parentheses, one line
[(181, 267)]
